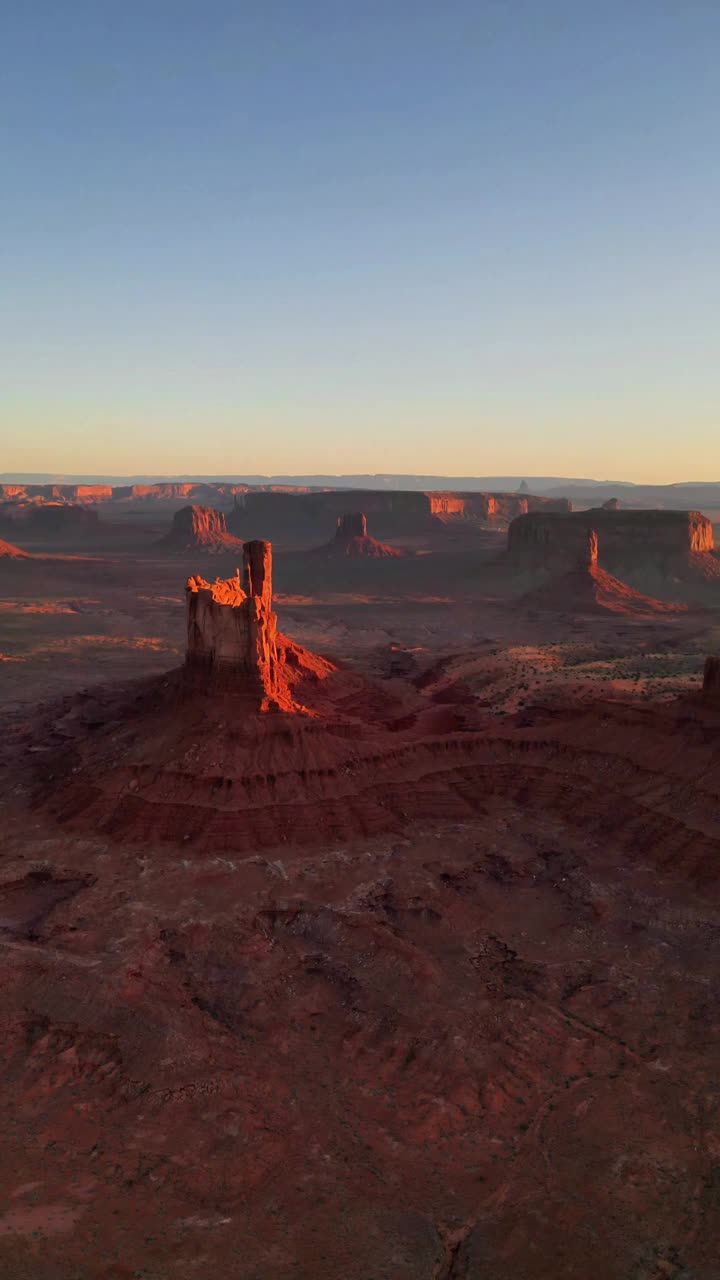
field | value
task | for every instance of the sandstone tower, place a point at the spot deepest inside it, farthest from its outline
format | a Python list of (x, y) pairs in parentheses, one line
[(232, 630), (352, 525)]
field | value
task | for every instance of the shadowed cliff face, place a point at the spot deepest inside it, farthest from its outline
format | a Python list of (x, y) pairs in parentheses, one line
[(644, 532), (711, 677), (352, 525), (57, 519), (662, 543)]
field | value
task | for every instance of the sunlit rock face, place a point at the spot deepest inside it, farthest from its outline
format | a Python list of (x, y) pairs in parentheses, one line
[(589, 552), (8, 551), (391, 513), (231, 627)]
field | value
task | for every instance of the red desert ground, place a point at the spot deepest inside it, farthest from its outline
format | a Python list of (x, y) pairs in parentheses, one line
[(360, 884)]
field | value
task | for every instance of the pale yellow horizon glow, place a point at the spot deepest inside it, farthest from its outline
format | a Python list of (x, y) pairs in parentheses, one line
[(431, 440)]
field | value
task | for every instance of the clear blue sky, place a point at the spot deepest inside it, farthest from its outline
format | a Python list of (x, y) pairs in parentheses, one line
[(473, 237)]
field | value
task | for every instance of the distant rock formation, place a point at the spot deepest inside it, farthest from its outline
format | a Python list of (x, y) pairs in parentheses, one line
[(57, 492), (352, 539), (551, 541), (666, 542), (711, 678), (590, 589), (612, 504), (9, 552), (232, 634), (60, 519), (203, 529), (391, 512)]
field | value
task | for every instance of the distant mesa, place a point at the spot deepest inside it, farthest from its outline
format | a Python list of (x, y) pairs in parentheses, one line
[(645, 534), (169, 492), (392, 513), (352, 540), (60, 519), (612, 504), (586, 588), (653, 550), (197, 528), (297, 511), (66, 493)]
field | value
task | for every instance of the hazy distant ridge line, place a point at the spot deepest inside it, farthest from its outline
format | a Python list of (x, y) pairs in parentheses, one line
[(390, 480)]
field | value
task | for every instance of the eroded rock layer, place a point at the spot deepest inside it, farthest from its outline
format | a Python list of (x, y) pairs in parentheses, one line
[(179, 761)]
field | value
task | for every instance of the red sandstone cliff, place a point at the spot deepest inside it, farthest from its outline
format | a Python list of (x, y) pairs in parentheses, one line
[(72, 493)]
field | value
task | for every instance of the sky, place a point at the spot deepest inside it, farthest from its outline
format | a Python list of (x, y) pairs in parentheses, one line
[(469, 237)]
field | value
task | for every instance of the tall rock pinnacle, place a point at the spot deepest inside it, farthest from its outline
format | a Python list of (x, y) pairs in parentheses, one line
[(232, 630)]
